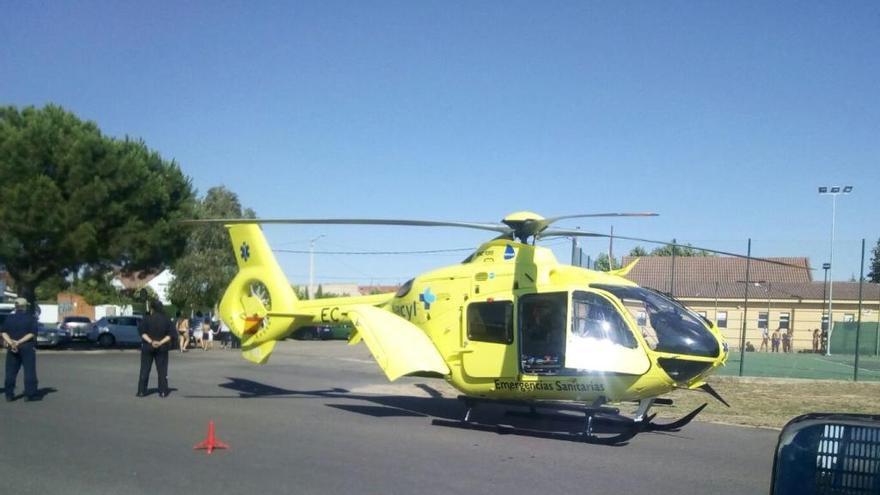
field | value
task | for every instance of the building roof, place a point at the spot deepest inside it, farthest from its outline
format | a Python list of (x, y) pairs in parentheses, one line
[(724, 277), (735, 290), (135, 280), (657, 270)]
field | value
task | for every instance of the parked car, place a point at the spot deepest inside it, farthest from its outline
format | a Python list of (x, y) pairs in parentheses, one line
[(50, 336), (76, 327), (115, 330), (322, 332)]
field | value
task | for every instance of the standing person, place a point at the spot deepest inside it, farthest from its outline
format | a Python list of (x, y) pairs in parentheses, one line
[(817, 338), (224, 335), (19, 334), (786, 340), (765, 340), (156, 332), (207, 334), (774, 340), (197, 329), (182, 331)]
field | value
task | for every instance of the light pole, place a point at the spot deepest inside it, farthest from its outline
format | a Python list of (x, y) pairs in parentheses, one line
[(311, 289), (834, 191), (823, 323)]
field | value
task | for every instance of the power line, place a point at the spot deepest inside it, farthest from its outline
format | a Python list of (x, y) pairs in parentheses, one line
[(433, 251)]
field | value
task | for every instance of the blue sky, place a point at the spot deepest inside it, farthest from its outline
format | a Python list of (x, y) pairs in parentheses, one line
[(722, 117)]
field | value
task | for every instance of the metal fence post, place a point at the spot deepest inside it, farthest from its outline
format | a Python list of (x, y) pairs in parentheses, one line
[(672, 284), (742, 344), (859, 327)]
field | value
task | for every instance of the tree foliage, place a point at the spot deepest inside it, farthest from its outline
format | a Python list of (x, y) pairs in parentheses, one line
[(604, 263), (680, 250), (208, 263), (75, 201), (638, 251), (874, 274)]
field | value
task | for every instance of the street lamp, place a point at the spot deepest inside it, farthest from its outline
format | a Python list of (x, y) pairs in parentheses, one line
[(823, 322), (834, 191), (311, 287), (766, 284)]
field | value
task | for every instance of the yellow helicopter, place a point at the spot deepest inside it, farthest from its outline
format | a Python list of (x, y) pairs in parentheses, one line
[(508, 325)]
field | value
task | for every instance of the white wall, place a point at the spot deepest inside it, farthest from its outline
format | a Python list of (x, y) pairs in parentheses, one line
[(159, 284), (111, 310), (48, 313)]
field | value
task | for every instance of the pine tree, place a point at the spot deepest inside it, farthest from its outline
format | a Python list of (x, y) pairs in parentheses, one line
[(75, 201)]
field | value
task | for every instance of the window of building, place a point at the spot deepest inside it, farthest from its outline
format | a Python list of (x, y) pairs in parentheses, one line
[(849, 317), (784, 320), (491, 322), (721, 319), (762, 320)]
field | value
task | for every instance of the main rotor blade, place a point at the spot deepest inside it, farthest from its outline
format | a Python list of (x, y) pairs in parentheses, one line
[(580, 233), (592, 215), (494, 227)]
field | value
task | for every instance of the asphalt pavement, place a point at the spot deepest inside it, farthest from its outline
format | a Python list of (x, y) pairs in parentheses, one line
[(320, 417)]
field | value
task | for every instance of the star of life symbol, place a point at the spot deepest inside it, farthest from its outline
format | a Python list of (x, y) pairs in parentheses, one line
[(245, 251)]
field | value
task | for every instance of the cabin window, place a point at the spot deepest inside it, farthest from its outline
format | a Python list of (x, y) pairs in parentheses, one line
[(490, 322), (405, 288)]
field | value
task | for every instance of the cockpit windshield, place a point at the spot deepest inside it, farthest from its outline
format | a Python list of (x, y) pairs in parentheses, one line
[(666, 325)]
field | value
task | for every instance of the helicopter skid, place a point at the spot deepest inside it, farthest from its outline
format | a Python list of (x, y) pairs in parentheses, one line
[(601, 424), (533, 432)]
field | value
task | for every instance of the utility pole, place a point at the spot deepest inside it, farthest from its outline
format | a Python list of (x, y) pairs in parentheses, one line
[(311, 287), (611, 250)]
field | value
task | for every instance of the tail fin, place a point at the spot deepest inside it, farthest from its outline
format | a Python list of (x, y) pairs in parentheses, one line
[(259, 286)]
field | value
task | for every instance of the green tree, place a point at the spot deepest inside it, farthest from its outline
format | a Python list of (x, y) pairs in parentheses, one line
[(638, 251), (680, 250), (874, 274), (604, 264), (75, 201), (208, 263)]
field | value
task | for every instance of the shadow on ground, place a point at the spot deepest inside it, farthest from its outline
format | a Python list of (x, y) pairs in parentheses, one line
[(503, 419)]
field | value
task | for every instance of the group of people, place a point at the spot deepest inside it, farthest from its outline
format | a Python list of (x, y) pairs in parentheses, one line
[(770, 342), (201, 332), (158, 335)]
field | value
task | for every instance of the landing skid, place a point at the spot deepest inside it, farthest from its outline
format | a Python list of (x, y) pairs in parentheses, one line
[(601, 424)]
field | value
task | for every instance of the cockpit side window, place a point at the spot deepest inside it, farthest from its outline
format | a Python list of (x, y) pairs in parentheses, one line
[(676, 329), (639, 312), (594, 317)]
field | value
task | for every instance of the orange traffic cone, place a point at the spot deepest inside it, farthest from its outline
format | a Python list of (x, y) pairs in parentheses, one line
[(211, 442)]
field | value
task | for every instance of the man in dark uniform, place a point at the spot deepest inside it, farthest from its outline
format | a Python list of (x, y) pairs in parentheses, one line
[(156, 332), (19, 337)]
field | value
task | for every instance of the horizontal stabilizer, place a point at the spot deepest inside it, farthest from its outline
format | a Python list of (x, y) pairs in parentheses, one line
[(399, 347), (259, 354)]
